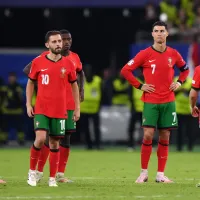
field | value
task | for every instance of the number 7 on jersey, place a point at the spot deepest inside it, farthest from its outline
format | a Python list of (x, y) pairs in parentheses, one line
[(153, 66)]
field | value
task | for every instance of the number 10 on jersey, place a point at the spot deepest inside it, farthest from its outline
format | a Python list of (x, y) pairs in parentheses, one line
[(153, 66)]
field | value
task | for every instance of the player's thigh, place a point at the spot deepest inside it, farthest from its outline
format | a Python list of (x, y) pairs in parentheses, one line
[(150, 115), (70, 125), (41, 122), (57, 127), (168, 117)]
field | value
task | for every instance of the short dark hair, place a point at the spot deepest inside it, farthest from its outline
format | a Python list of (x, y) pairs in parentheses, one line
[(160, 23), (64, 31), (50, 33)]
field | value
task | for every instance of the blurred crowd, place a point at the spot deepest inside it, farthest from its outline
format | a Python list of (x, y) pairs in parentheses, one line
[(182, 17), (108, 89)]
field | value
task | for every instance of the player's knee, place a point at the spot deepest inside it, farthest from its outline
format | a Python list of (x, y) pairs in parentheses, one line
[(149, 133), (164, 134), (40, 138), (65, 142), (54, 142)]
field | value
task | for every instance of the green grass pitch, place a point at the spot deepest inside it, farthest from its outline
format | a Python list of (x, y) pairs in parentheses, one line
[(103, 175)]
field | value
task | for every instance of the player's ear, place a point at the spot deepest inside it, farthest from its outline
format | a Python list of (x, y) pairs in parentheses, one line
[(47, 45), (152, 33)]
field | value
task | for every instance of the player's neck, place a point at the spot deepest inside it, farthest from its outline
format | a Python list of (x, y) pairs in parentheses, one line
[(159, 47), (66, 53), (54, 57)]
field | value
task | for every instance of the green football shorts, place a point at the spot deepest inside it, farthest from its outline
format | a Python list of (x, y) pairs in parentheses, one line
[(54, 126), (162, 116), (70, 125)]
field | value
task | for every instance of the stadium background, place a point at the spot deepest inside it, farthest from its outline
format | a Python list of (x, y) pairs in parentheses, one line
[(106, 34)]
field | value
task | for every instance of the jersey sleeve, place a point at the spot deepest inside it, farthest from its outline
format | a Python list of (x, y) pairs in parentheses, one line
[(183, 67), (44, 53), (196, 79), (79, 64), (33, 74), (180, 63), (127, 70), (72, 72)]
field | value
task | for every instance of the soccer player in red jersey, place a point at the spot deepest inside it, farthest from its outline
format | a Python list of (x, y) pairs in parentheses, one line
[(157, 63), (52, 73), (70, 124), (194, 92), (193, 96)]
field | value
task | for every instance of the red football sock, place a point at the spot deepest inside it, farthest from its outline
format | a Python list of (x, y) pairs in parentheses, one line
[(34, 155), (162, 154), (43, 157), (64, 155), (146, 153), (54, 161)]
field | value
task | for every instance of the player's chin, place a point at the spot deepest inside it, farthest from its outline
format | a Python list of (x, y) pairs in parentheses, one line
[(160, 41), (57, 51)]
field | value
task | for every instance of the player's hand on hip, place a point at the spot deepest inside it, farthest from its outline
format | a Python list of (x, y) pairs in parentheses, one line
[(195, 111), (81, 95), (30, 111), (174, 86), (148, 88), (76, 115)]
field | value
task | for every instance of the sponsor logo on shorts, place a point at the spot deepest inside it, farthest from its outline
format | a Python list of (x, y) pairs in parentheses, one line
[(174, 123)]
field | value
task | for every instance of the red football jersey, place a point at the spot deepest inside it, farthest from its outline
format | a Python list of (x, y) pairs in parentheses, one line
[(196, 78), (44, 53), (78, 67), (52, 79), (158, 70)]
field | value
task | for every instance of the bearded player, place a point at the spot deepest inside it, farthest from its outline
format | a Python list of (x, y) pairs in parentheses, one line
[(70, 124), (52, 73), (157, 63)]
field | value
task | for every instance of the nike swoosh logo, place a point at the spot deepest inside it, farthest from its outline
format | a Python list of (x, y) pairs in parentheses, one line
[(43, 70), (62, 132), (151, 61), (174, 124)]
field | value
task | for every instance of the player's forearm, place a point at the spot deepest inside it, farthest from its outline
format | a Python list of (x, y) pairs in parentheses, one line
[(193, 98), (75, 93), (128, 75), (27, 69), (81, 79), (183, 75), (29, 92)]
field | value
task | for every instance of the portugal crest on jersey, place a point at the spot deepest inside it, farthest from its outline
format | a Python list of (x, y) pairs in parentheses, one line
[(170, 62), (63, 72)]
